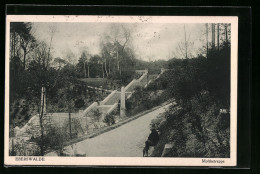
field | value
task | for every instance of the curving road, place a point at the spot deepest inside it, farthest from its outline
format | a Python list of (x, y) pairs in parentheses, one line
[(124, 141)]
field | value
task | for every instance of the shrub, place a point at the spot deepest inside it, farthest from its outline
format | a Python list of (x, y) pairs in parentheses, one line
[(25, 110), (109, 119), (79, 103), (96, 114)]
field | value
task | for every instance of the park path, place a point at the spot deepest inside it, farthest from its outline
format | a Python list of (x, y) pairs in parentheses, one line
[(124, 141)]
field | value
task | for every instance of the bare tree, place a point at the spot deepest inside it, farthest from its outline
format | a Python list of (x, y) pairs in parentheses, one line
[(28, 43), (59, 62), (42, 56), (69, 56), (126, 33), (22, 41), (184, 49), (107, 53), (85, 56), (53, 30), (119, 36), (224, 32)]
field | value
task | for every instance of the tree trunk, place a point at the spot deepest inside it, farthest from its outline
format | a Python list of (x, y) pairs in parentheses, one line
[(24, 56), (13, 152), (207, 38), (59, 65), (103, 70), (70, 125), (106, 67), (85, 71), (226, 32), (186, 46), (14, 43), (88, 69), (117, 59), (218, 36), (50, 45), (213, 35), (41, 122)]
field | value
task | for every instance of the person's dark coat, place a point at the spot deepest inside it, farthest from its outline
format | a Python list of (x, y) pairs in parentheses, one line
[(154, 137)]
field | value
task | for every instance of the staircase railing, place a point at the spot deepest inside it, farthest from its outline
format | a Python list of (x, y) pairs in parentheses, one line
[(89, 108), (108, 97)]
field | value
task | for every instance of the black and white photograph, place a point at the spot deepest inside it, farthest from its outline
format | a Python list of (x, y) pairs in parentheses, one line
[(121, 90)]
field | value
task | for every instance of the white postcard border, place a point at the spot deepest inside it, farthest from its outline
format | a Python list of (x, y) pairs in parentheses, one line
[(129, 161)]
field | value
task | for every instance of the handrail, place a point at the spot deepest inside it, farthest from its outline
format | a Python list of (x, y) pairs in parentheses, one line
[(112, 108), (141, 78), (130, 84), (108, 97), (89, 108)]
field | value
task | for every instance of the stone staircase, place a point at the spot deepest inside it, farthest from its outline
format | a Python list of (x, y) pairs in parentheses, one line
[(108, 105)]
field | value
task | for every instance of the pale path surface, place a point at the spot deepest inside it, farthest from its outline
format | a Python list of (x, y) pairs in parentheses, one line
[(125, 141)]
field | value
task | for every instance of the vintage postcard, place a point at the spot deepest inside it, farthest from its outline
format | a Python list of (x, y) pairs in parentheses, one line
[(121, 90)]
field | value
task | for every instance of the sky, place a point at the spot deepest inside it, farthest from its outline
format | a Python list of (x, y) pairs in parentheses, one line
[(150, 41)]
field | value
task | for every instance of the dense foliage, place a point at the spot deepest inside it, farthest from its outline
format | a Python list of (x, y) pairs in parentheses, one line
[(201, 89), (145, 99)]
